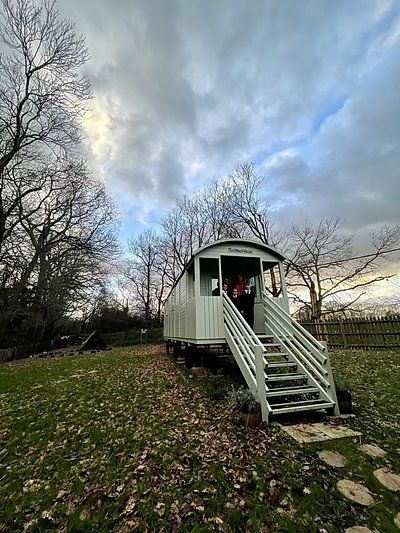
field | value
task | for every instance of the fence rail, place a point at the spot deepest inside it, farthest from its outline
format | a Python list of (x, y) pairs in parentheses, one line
[(122, 338), (371, 332), (20, 352), (133, 336)]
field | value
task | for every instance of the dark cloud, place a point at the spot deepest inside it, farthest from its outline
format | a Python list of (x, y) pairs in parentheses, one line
[(308, 90), (358, 150)]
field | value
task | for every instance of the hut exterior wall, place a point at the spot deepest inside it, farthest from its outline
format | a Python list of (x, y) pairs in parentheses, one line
[(194, 317), (209, 323)]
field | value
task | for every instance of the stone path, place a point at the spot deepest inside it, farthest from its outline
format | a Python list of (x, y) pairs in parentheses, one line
[(332, 458), (372, 450), (318, 432), (388, 479), (359, 529), (357, 492), (353, 491)]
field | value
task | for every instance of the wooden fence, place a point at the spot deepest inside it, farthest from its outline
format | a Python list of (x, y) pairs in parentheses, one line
[(123, 338), (372, 332), (133, 336), (20, 352)]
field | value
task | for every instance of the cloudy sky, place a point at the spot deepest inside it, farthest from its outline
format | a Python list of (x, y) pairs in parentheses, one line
[(185, 89)]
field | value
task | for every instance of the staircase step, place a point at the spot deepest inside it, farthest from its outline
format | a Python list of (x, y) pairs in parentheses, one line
[(309, 405), (286, 377), (266, 337), (275, 354), (272, 348), (291, 391), (299, 388), (270, 344), (282, 364)]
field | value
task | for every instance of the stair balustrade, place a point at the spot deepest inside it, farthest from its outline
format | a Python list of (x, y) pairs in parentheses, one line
[(248, 352), (302, 348)]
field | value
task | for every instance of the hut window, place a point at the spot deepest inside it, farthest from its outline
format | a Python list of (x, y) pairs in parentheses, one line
[(208, 275)]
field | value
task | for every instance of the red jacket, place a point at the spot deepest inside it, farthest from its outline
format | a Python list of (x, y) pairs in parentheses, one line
[(239, 285)]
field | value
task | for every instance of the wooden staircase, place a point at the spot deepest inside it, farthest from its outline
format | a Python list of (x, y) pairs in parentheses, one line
[(287, 389), (286, 368)]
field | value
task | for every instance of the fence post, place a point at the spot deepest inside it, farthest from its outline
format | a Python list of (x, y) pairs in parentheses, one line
[(343, 333), (260, 378)]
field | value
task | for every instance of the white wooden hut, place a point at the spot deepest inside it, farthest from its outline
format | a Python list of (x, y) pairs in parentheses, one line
[(285, 367)]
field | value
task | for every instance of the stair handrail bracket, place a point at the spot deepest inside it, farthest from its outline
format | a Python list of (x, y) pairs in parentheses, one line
[(248, 352), (303, 348)]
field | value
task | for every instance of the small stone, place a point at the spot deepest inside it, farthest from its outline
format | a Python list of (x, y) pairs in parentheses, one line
[(332, 458), (389, 479), (396, 520), (86, 514), (355, 492), (372, 450), (358, 529)]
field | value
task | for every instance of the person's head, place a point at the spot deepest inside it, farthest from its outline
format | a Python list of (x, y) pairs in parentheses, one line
[(225, 287), (234, 292), (226, 281), (247, 285), (239, 277)]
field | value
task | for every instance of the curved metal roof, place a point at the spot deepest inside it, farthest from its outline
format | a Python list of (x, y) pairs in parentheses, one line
[(241, 242), (237, 242)]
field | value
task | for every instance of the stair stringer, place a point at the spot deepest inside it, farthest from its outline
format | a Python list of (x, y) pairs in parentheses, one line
[(310, 355), (311, 380), (248, 352)]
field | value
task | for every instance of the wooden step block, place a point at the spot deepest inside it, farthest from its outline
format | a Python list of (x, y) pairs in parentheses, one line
[(291, 391), (282, 364), (285, 377), (301, 406)]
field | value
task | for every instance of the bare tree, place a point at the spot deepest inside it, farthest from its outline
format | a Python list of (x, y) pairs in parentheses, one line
[(42, 99), (229, 207), (247, 208), (65, 232), (42, 94), (323, 266), (147, 273)]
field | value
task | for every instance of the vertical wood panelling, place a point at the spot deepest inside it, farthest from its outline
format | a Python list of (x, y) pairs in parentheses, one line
[(209, 318)]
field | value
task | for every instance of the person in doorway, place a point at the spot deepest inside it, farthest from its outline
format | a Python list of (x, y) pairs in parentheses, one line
[(216, 291), (227, 282), (225, 288), (235, 298), (239, 284), (247, 304)]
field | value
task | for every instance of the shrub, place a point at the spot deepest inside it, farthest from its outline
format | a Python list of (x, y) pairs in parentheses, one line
[(242, 399)]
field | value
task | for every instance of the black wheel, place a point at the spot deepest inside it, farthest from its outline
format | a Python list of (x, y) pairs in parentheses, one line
[(190, 355), (188, 360), (176, 350)]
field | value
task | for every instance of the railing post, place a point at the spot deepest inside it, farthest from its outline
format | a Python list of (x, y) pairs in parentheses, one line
[(260, 378), (343, 333), (332, 392)]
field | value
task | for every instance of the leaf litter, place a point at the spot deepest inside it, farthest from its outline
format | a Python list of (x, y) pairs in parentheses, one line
[(130, 443)]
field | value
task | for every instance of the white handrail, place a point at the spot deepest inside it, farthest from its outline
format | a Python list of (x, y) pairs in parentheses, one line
[(244, 325), (248, 352), (302, 347), (307, 339)]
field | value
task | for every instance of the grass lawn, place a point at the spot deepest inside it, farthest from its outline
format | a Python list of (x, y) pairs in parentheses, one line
[(125, 441)]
